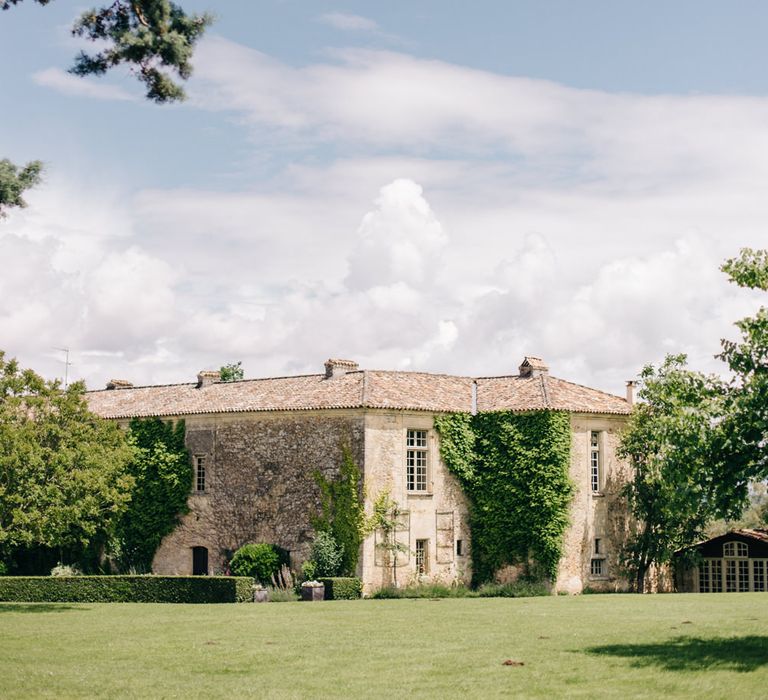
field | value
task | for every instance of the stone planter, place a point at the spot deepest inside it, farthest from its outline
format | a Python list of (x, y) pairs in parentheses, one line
[(312, 590), (260, 594)]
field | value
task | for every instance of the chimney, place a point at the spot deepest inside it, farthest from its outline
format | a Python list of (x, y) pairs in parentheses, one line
[(631, 392), (338, 368), (206, 377), (119, 384), (532, 367)]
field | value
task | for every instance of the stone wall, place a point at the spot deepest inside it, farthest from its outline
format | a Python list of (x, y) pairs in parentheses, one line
[(259, 482), (599, 515), (438, 515)]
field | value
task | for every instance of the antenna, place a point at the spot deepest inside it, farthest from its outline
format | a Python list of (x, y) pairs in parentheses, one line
[(67, 364)]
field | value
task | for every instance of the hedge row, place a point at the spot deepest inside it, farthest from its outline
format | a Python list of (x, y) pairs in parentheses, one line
[(342, 588), (126, 589)]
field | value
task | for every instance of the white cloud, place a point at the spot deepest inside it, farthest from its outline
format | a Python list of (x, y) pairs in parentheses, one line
[(348, 23), (68, 84)]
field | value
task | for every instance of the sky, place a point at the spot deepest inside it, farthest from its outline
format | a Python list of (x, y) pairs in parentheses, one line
[(423, 185)]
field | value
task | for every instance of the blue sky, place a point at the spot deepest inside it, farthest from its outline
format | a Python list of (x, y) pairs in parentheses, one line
[(427, 185)]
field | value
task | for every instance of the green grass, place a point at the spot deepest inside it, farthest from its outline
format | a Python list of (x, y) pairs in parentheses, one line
[(622, 646)]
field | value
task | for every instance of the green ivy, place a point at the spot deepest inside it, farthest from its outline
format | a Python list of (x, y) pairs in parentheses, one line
[(514, 470), (342, 513), (163, 477)]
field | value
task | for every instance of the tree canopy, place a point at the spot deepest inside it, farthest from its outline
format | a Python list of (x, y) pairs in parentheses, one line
[(154, 38), (232, 372), (63, 478), (14, 180)]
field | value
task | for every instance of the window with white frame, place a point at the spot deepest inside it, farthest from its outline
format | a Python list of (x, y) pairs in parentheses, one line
[(416, 459), (735, 549), (199, 473), (595, 461), (422, 556)]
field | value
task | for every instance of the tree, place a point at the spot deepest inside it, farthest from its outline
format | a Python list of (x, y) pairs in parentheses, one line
[(678, 443), (232, 372), (748, 360), (63, 470), (163, 478), (154, 38), (13, 182)]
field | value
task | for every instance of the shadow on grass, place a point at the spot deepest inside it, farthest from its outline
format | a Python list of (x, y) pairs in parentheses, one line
[(38, 607), (694, 653)]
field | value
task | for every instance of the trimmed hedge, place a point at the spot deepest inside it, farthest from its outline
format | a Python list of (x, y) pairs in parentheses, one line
[(126, 589), (342, 587)]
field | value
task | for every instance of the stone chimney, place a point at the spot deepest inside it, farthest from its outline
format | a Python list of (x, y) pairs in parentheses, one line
[(338, 368), (206, 377), (119, 384), (631, 384), (532, 367)]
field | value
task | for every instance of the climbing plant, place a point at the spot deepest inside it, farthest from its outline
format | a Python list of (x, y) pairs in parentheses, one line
[(514, 469), (163, 477), (342, 513)]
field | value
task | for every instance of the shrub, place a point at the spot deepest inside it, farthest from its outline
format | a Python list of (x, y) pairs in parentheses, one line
[(431, 590), (342, 587), (126, 589), (326, 555), (518, 589), (3, 569), (282, 595), (260, 561), (65, 570)]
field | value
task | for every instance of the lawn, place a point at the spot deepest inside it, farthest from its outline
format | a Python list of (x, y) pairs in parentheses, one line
[(712, 646)]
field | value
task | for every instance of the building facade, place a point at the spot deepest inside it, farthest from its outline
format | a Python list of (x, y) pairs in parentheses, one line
[(257, 444)]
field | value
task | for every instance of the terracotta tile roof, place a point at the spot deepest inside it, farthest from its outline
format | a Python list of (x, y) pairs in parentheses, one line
[(543, 392), (356, 389)]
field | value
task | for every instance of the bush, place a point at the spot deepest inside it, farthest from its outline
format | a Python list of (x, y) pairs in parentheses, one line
[(259, 561), (342, 587), (282, 595), (431, 590), (3, 569), (326, 555), (126, 589), (65, 570), (518, 589)]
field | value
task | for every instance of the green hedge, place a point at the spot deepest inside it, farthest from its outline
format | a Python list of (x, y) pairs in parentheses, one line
[(342, 587), (126, 589)]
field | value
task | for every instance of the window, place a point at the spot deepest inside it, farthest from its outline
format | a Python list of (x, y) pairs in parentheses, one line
[(597, 545), (199, 473), (594, 461), (758, 574), (735, 549), (422, 556), (597, 567), (416, 460), (459, 548)]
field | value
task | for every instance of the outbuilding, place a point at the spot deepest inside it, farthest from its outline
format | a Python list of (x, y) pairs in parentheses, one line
[(734, 562)]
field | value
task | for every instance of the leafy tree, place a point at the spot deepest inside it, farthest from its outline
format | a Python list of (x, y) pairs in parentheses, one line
[(342, 512), (163, 479), (63, 470), (13, 182), (748, 360), (677, 441), (326, 555), (232, 372), (154, 38), (387, 519)]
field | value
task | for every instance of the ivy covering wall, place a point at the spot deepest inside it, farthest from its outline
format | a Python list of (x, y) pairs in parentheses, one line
[(514, 470), (161, 468)]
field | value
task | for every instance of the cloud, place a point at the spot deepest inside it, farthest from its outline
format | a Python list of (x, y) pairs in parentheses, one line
[(348, 23), (71, 85)]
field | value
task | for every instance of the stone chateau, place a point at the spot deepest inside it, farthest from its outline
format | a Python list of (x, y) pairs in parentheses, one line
[(255, 444)]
